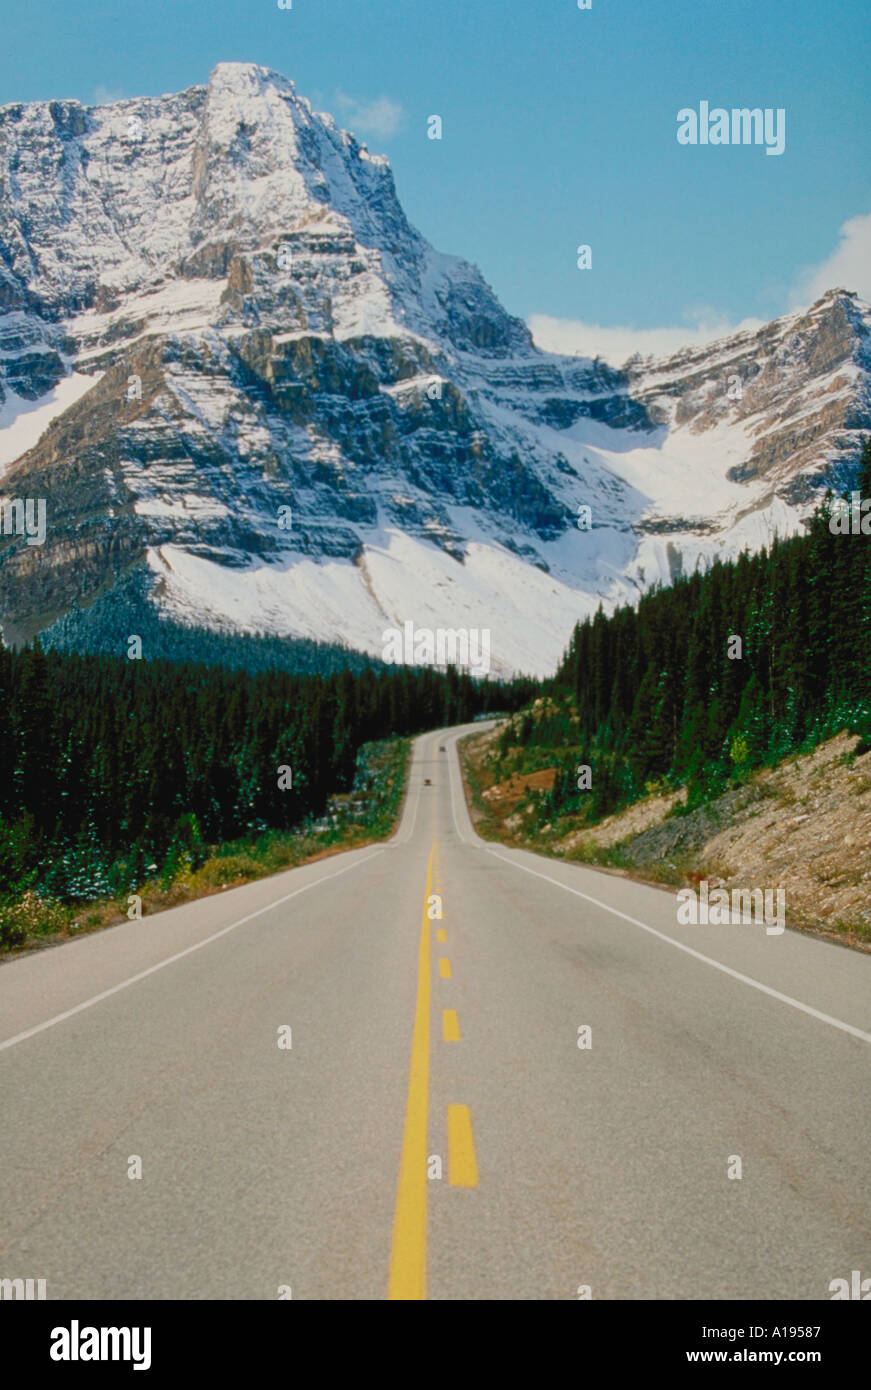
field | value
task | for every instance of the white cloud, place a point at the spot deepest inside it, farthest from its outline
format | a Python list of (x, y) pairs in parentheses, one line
[(615, 345), (847, 268), (381, 118), (105, 96)]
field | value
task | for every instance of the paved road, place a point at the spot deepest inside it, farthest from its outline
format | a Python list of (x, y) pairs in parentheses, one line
[(421, 1043)]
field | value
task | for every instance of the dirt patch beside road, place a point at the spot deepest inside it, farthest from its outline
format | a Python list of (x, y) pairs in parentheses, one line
[(804, 826)]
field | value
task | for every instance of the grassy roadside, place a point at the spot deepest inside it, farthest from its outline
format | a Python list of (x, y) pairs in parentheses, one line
[(34, 922), (805, 823)]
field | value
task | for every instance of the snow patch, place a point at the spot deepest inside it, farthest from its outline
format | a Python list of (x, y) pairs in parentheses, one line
[(22, 422)]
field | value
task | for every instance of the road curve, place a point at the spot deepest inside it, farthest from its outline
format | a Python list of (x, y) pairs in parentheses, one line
[(434, 1129)]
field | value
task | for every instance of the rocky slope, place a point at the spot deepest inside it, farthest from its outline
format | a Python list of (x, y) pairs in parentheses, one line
[(213, 309), (804, 826)]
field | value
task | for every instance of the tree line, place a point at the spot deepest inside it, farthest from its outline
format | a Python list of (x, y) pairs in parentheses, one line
[(109, 766), (662, 692)]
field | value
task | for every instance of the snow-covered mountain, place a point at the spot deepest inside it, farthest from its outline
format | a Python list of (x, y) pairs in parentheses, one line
[(213, 309)]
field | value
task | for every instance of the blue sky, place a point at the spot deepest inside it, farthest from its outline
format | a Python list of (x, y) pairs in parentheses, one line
[(559, 129)]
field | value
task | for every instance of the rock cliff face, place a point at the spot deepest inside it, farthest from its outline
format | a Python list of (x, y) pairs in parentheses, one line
[(256, 399)]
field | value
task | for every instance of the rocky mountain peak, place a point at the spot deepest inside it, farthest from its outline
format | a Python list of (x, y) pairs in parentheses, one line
[(213, 311)]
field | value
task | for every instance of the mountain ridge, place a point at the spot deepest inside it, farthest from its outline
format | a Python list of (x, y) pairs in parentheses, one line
[(212, 307)]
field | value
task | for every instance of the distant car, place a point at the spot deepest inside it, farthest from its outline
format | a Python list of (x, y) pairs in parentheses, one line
[(441, 748), (427, 782)]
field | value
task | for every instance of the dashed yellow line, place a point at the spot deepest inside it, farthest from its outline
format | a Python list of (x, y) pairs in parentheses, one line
[(450, 1025), (441, 935), (462, 1164), (408, 1250), (444, 968)]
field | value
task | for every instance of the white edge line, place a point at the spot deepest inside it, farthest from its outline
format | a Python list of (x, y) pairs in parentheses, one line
[(708, 960), (394, 842), (416, 805), (690, 951), (179, 955), (455, 766)]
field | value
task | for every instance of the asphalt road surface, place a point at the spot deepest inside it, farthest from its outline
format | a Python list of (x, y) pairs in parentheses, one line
[(434, 1128)]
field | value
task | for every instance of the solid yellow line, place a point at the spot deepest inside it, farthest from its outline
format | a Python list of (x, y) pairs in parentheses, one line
[(408, 1250), (462, 1165), (441, 935), (444, 967), (450, 1025)]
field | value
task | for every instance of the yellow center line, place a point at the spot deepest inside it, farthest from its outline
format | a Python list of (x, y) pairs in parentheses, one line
[(462, 1164), (450, 1025), (444, 968), (408, 1251), (441, 935)]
